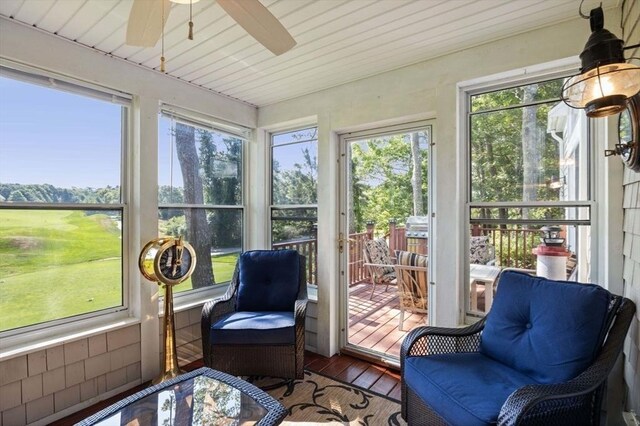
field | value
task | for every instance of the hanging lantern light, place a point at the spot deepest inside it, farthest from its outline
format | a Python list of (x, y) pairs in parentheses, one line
[(606, 81)]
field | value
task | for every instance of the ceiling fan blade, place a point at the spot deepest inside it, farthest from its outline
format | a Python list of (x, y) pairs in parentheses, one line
[(145, 22), (260, 24)]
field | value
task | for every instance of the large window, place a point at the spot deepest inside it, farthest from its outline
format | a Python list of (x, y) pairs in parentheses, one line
[(200, 194), (294, 181), (529, 168), (62, 200)]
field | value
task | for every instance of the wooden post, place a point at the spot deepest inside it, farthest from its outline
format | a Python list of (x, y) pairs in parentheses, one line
[(370, 227), (392, 236)]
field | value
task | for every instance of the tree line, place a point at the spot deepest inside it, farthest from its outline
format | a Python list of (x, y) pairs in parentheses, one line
[(46, 193)]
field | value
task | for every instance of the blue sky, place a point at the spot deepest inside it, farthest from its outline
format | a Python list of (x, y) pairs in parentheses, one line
[(59, 138), (68, 140)]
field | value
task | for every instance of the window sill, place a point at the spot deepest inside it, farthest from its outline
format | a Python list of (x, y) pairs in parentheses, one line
[(192, 299), (312, 293), (45, 338)]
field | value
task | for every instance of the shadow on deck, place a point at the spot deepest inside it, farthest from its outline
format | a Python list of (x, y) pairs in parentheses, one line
[(373, 324)]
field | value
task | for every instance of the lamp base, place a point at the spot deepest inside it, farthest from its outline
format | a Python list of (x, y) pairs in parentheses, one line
[(167, 375), (171, 367)]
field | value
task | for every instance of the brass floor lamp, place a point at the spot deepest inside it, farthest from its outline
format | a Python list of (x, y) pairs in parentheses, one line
[(168, 261)]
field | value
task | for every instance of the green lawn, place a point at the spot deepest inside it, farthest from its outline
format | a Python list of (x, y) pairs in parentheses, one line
[(65, 263)]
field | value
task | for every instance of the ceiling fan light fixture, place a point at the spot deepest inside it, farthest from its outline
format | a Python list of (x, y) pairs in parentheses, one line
[(606, 81)]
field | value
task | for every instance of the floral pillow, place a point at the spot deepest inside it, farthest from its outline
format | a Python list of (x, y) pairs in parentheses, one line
[(480, 250), (378, 252)]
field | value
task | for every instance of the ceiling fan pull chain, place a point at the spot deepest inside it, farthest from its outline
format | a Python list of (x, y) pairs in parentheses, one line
[(190, 19), (162, 54)]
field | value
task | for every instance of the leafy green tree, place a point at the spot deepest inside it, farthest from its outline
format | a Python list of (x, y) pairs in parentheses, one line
[(383, 170)]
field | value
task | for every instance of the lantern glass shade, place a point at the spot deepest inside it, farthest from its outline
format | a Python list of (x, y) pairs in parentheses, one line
[(551, 235), (602, 90)]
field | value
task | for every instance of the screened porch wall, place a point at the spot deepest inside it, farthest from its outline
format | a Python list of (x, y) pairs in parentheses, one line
[(54, 380), (631, 230)]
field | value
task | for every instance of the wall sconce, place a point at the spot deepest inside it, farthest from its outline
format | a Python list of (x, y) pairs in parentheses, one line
[(606, 81)]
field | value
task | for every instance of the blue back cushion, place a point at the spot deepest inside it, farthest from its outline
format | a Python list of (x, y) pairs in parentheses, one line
[(269, 280), (549, 330)]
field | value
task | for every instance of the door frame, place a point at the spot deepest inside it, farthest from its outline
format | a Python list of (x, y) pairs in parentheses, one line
[(343, 293)]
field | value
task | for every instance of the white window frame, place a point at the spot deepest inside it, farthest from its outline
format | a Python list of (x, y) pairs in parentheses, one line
[(312, 288), (192, 298), (540, 72), (51, 333)]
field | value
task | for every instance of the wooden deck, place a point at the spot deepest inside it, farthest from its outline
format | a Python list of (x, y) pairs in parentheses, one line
[(373, 324)]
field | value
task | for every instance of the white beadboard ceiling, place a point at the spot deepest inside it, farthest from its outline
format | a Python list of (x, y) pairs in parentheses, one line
[(337, 40)]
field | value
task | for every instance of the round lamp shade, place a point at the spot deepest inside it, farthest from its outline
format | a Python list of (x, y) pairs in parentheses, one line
[(603, 90)]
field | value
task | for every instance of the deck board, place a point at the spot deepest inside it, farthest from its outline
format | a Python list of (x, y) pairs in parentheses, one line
[(373, 324)]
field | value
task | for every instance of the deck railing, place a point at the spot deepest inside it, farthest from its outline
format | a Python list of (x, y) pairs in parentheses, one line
[(513, 248), (307, 248)]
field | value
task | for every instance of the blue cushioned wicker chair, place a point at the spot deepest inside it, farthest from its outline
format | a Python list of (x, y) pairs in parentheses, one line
[(541, 356), (257, 327)]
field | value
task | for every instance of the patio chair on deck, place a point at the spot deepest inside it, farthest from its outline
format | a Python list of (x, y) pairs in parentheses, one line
[(411, 273), (378, 263), (258, 327)]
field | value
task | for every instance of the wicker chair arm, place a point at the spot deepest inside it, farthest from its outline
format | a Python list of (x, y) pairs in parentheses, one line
[(535, 402), (212, 311), (300, 324), (437, 340), (301, 310)]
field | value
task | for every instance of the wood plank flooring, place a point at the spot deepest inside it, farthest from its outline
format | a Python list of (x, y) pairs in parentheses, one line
[(344, 368), (373, 324)]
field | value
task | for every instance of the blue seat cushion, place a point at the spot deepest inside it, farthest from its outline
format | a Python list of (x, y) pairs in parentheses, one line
[(463, 388), (548, 330), (254, 328), (269, 280)]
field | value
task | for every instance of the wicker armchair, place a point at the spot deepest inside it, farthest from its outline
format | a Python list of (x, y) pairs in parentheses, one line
[(259, 328), (575, 401)]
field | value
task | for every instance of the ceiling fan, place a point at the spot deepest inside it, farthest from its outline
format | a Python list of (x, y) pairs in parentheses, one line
[(148, 18)]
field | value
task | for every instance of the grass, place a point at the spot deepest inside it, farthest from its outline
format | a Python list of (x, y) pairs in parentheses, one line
[(57, 264)]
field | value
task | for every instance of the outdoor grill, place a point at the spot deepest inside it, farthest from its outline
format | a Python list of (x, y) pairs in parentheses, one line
[(417, 227)]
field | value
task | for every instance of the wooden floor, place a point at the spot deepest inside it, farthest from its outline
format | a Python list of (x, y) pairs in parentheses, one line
[(340, 367), (373, 324)]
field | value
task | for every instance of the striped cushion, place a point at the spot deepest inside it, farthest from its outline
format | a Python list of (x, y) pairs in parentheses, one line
[(480, 250), (414, 283)]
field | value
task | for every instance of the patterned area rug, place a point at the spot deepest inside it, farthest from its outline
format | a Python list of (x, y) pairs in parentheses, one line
[(319, 400)]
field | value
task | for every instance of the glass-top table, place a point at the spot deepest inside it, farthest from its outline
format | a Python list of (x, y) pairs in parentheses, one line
[(201, 397)]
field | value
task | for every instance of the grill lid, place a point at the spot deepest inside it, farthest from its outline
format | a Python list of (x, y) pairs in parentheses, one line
[(417, 227)]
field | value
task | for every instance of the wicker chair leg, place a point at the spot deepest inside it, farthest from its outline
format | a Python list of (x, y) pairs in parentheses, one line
[(420, 414)]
